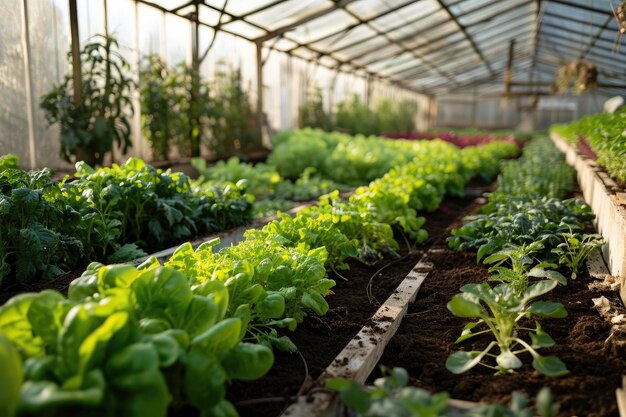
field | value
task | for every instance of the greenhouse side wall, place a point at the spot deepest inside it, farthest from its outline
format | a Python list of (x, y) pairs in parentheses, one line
[(489, 112)]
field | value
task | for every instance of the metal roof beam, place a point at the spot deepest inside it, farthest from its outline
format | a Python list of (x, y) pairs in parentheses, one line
[(467, 36), (338, 4)]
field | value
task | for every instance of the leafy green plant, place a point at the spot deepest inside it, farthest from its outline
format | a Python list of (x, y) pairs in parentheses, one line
[(522, 266), (160, 96), (235, 127), (8, 161), (91, 126), (605, 134), (576, 247), (134, 205), (37, 227), (12, 376), (312, 114), (129, 341), (391, 397), (500, 309)]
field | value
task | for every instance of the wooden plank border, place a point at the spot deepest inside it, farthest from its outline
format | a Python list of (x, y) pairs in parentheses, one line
[(359, 357), (607, 201)]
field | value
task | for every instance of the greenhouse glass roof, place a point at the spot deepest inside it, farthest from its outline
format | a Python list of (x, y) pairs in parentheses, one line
[(428, 46)]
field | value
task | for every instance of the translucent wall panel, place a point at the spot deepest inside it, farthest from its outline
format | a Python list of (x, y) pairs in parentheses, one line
[(13, 116), (177, 39), (49, 43)]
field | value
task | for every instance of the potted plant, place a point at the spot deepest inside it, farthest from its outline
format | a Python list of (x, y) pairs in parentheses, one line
[(97, 116)]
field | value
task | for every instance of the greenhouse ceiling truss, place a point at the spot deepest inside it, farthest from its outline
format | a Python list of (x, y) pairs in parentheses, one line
[(431, 47)]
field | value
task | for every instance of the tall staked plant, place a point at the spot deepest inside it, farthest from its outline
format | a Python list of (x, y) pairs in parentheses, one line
[(235, 127), (160, 96), (312, 114), (91, 126)]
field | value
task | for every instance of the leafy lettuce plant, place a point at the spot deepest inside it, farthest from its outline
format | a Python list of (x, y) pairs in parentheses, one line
[(500, 310), (129, 341)]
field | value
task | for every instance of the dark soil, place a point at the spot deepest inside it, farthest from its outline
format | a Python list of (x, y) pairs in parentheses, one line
[(320, 339), (60, 284), (427, 334)]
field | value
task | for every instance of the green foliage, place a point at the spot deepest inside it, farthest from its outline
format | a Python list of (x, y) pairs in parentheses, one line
[(500, 309), (312, 114), (161, 95), (12, 377), (139, 204), (47, 228), (8, 161), (37, 235), (540, 172), (391, 397), (90, 127), (605, 133), (261, 180), (576, 247), (354, 116), (235, 127), (129, 341)]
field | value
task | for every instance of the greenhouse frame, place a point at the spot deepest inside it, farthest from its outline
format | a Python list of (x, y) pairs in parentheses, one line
[(312, 208)]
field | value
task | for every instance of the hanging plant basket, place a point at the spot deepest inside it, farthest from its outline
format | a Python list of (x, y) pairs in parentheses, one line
[(577, 76)]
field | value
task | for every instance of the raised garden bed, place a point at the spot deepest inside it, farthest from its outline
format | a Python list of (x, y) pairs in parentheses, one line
[(321, 340), (608, 202)]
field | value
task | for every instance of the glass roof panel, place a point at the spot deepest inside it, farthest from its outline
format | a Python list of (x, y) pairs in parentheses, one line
[(345, 38), (377, 45), (389, 49), (478, 14), (242, 7), (283, 44), (244, 29), (288, 12), (409, 16), (368, 9), (425, 46), (209, 16), (465, 6), (322, 26)]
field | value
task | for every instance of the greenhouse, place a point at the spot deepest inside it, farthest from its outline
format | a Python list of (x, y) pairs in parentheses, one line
[(312, 208)]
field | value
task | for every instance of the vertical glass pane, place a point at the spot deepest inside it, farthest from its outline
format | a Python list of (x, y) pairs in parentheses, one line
[(49, 31), (13, 121)]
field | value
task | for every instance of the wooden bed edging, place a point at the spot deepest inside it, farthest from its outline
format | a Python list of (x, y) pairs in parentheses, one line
[(358, 359), (606, 201)]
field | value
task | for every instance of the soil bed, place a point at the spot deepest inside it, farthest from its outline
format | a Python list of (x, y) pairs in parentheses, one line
[(426, 338), (320, 339)]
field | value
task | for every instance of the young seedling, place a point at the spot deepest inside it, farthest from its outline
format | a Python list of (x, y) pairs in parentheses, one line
[(575, 249), (522, 266), (500, 309)]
